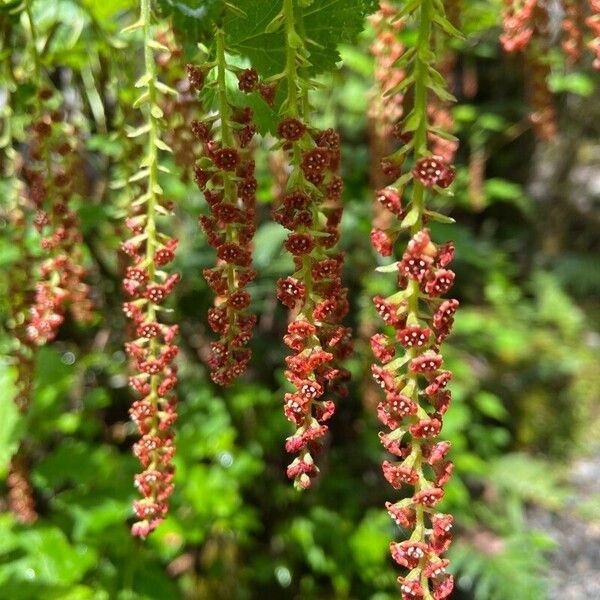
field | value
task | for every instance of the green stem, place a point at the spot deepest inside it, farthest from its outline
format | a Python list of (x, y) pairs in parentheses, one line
[(37, 65), (153, 185), (229, 188), (420, 149), (290, 59)]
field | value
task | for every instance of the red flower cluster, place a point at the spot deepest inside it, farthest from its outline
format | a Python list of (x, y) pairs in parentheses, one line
[(593, 22), (310, 210), (518, 24), (20, 492), (61, 282), (411, 374), (526, 29), (410, 370), (227, 181), (572, 26), (151, 352)]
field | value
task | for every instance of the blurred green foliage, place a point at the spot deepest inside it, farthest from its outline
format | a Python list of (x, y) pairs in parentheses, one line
[(523, 353)]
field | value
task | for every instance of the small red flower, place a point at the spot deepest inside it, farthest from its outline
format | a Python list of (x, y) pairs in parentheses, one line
[(390, 199), (227, 159), (196, 77), (291, 129), (428, 497), (382, 243), (290, 291), (299, 243), (247, 80), (315, 161), (433, 170)]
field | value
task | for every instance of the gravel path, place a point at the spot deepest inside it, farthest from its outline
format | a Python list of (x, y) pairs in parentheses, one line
[(575, 573)]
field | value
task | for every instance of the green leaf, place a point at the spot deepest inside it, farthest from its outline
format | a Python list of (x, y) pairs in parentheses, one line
[(391, 268), (327, 23), (574, 83), (439, 217), (10, 424), (50, 558), (193, 20)]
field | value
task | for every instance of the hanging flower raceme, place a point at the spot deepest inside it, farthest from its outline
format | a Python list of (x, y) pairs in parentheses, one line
[(385, 109), (225, 175), (417, 319), (572, 26), (310, 209), (526, 30), (147, 286), (593, 22), (518, 24), (50, 181), (20, 492)]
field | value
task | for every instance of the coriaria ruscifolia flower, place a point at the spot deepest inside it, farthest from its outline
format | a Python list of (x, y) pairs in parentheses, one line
[(225, 174), (50, 180), (526, 30), (147, 285), (179, 110), (410, 367), (310, 209), (572, 26), (20, 493), (593, 22), (518, 24), (384, 108)]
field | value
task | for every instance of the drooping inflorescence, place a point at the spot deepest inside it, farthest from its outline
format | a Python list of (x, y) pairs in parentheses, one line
[(310, 209), (384, 109), (572, 27), (50, 182), (225, 175), (593, 22), (416, 321), (526, 30), (147, 285)]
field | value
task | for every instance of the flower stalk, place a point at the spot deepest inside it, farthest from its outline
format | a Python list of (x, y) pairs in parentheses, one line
[(225, 175), (417, 321), (151, 348), (310, 209)]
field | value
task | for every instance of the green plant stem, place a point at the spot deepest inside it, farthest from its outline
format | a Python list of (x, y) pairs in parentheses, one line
[(229, 188), (418, 198), (151, 191), (37, 65), (290, 59)]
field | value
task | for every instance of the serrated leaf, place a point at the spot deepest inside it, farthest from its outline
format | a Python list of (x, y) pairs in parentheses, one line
[(328, 23), (193, 20)]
